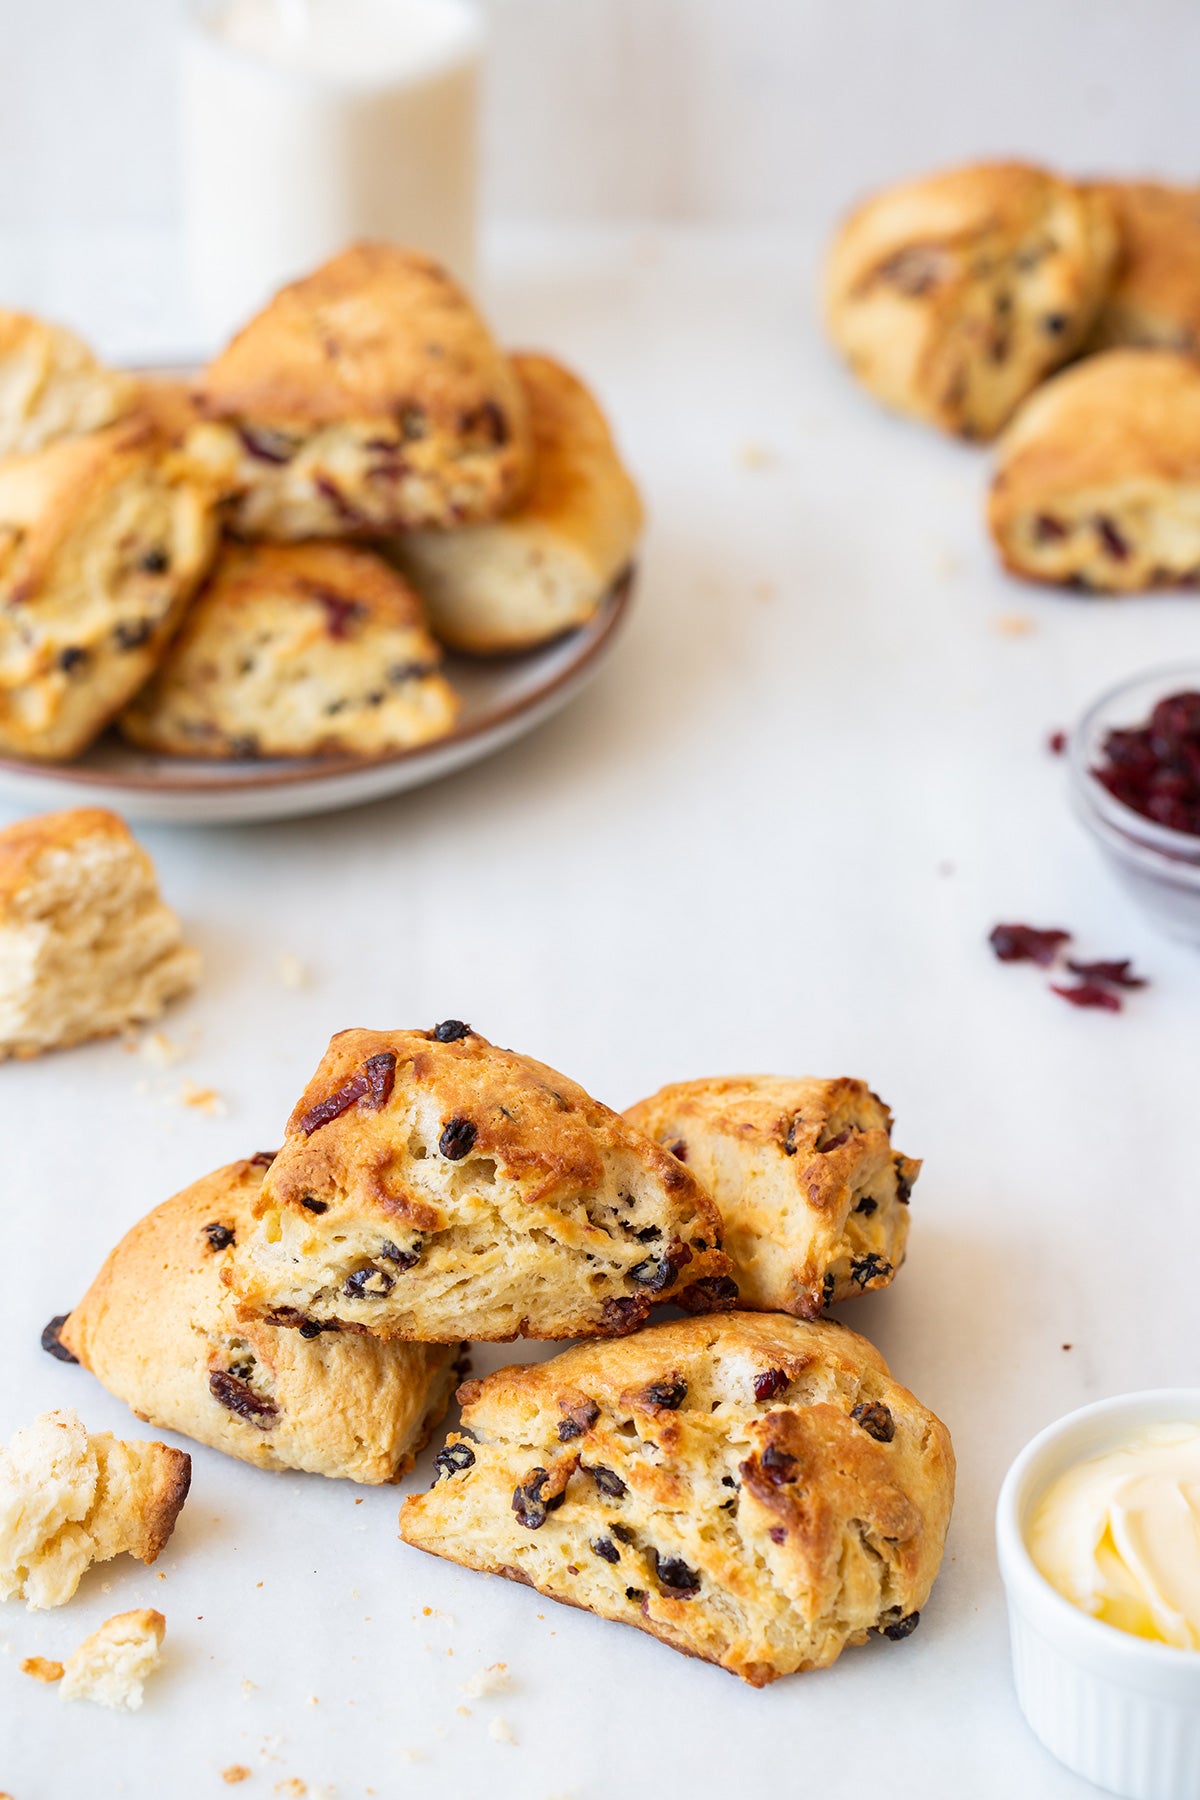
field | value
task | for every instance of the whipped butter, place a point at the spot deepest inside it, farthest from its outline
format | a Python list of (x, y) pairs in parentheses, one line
[(1119, 1535)]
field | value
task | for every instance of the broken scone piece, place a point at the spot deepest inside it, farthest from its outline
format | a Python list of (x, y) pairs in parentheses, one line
[(51, 386), (369, 397), (952, 296), (296, 650), (1155, 300), (813, 1197), (1098, 478), (88, 947), (158, 1327), (433, 1186), (753, 1490), (69, 1499), (112, 1665), (546, 566)]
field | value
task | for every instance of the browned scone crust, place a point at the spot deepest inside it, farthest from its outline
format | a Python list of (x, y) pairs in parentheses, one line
[(103, 540), (369, 397), (159, 1329), (952, 296), (310, 649), (813, 1198), (433, 1186), (1097, 480), (751, 1489), (1155, 300)]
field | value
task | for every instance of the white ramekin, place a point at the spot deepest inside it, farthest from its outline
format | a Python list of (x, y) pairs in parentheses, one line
[(1120, 1711)]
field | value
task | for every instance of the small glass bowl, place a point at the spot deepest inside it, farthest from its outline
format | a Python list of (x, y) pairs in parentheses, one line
[(1159, 867)]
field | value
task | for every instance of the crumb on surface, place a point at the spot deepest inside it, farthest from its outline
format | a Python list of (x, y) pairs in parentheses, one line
[(494, 1679), (42, 1668), (753, 455), (248, 1687), (160, 1051), (234, 1773), (293, 1787), (501, 1732), (202, 1099), (1014, 624), (292, 972)]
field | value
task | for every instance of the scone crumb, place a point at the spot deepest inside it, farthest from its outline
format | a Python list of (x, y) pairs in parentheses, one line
[(464, 1712), (202, 1099), (492, 1680), (292, 972), (1015, 624), (160, 1051), (42, 1668), (501, 1732), (248, 1687), (755, 456), (293, 1787), (111, 1666), (234, 1773)]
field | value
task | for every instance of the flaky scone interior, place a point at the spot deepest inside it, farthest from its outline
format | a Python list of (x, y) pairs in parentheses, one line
[(436, 1187), (753, 1490)]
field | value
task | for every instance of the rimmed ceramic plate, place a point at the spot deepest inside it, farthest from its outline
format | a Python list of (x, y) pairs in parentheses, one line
[(502, 699)]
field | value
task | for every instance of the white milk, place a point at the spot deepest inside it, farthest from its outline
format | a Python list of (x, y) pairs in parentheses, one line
[(307, 123)]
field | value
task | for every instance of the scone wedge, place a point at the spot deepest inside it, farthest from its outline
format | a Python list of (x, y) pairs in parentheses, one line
[(751, 1489), (433, 1186), (1155, 300), (813, 1197), (369, 397), (309, 649), (51, 386), (159, 1329), (548, 564), (1097, 480), (952, 296)]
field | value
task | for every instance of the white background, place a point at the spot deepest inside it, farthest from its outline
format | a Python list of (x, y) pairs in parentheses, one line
[(774, 836)]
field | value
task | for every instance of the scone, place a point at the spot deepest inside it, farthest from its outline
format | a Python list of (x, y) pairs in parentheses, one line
[(1155, 299), (103, 540), (813, 1197), (548, 563), (69, 1499), (369, 397), (51, 386), (951, 297), (296, 650), (432, 1186), (1098, 478), (158, 1328), (753, 1490), (112, 1665), (88, 947)]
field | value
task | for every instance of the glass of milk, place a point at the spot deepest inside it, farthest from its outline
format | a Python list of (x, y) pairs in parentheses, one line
[(309, 123)]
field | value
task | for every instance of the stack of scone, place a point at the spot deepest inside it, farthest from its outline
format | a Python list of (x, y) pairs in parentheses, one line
[(268, 562), (752, 1486), (955, 297)]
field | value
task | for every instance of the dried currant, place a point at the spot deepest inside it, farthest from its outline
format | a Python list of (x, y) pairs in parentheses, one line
[(52, 1344), (607, 1480), (779, 1466), (900, 1627), (312, 1205), (453, 1459), (678, 1149), (1111, 538), (677, 1580), (133, 633), (450, 1031), (868, 1268), (866, 1206), (670, 1395), (458, 1137), (876, 1420), (72, 657), (368, 1284), (605, 1549), (713, 1293), (219, 1236), (155, 561), (232, 1391), (579, 1418), (527, 1501)]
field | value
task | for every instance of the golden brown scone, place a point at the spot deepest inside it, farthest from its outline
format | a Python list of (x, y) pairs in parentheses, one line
[(548, 564), (753, 1490), (88, 946), (1155, 299), (813, 1198), (111, 1666), (369, 397), (296, 650), (159, 1329), (433, 1186), (1097, 480), (103, 540), (69, 1499), (51, 386), (951, 297)]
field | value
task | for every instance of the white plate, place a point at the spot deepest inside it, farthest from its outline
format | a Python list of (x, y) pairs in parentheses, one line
[(502, 699)]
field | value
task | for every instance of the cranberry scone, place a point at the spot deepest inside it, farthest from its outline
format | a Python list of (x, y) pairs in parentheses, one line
[(70, 1498), (369, 397), (433, 1186), (305, 649), (159, 1329), (1155, 300), (103, 540), (751, 1489), (51, 386), (951, 297), (1097, 480), (88, 946), (546, 566), (813, 1197)]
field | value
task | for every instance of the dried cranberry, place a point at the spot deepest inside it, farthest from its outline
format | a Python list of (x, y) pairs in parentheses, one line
[(678, 1149), (330, 491), (52, 1344), (1089, 994), (714, 1293), (876, 1420), (670, 1395), (333, 1106), (340, 613), (899, 1628), (1027, 943), (605, 1549), (779, 1466), (450, 1031), (1111, 538), (458, 1137), (769, 1383), (380, 1073), (1116, 974), (1056, 743), (233, 1392), (607, 1480), (262, 1159), (265, 445), (219, 1236), (677, 1580), (453, 1459), (1154, 769), (1047, 529), (777, 1534)]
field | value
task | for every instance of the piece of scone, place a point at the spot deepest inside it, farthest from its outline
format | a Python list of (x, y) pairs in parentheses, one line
[(111, 1666), (548, 563), (369, 397), (813, 1197), (951, 297), (69, 1499), (103, 540), (88, 946), (1155, 300), (1097, 480), (753, 1490), (433, 1186), (51, 386), (159, 1328), (296, 650)]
